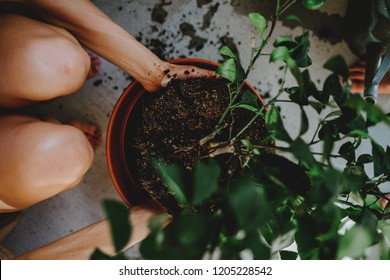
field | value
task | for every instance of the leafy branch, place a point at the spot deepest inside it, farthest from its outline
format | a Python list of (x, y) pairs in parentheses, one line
[(293, 193)]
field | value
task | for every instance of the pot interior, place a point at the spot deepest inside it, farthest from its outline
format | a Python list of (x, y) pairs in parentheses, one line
[(122, 127)]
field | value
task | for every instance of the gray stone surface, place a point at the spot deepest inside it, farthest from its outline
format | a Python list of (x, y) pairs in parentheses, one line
[(215, 23)]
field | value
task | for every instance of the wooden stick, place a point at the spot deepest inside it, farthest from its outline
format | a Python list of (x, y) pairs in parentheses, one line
[(80, 244)]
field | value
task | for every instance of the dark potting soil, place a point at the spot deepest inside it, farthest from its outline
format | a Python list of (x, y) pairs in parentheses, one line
[(173, 122)]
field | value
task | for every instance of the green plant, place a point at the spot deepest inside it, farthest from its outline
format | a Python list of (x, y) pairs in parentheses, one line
[(294, 195)]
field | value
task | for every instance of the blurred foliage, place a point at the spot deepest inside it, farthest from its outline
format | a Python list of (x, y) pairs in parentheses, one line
[(294, 196)]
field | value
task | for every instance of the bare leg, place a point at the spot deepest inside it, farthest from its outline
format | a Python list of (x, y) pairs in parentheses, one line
[(38, 61), (357, 72), (39, 160), (91, 131)]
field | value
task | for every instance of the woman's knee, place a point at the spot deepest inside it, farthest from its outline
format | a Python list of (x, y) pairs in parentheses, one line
[(66, 153), (41, 61), (60, 68), (52, 159), (69, 149)]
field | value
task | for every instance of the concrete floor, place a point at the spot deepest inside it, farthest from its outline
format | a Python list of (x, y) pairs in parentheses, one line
[(215, 23)]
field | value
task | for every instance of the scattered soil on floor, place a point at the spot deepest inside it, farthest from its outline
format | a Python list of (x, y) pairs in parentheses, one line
[(159, 14), (209, 16)]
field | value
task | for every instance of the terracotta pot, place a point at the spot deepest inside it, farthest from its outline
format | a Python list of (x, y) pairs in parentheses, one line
[(121, 126)]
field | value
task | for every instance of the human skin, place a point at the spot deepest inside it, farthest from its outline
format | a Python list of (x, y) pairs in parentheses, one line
[(44, 59), (97, 32)]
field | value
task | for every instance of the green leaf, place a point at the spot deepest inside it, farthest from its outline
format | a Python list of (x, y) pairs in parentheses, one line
[(247, 107), (295, 18), (277, 172), (375, 114), (378, 156), (260, 251), (275, 124), (240, 72), (206, 180), (321, 96), (247, 144), (225, 50), (332, 87), (248, 204), (286, 41), (293, 66), (305, 238), (304, 122), (288, 255), (297, 49), (279, 53), (250, 146), (317, 232), (157, 221), (347, 151), (317, 106), (355, 177), (228, 70), (308, 84), (357, 123), (249, 101), (333, 180), (372, 202), (118, 217), (354, 242), (152, 246), (385, 229), (250, 98), (186, 237), (355, 102), (190, 230), (99, 255), (298, 96), (231, 248), (331, 219), (172, 177), (300, 53), (359, 133), (259, 21), (302, 152), (364, 158), (333, 115), (313, 4), (337, 65), (329, 133), (282, 241)]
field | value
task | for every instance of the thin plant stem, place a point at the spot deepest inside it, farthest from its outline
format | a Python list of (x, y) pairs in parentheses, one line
[(255, 54), (283, 101), (249, 124), (347, 203), (320, 154), (270, 103), (312, 142), (377, 199), (286, 6)]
